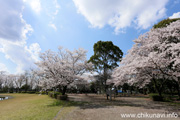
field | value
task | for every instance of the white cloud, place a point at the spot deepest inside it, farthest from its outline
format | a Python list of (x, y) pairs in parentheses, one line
[(53, 13), (35, 5), (34, 50), (3, 67), (57, 6), (13, 36), (51, 8), (52, 26), (175, 15), (121, 13), (13, 27), (22, 55)]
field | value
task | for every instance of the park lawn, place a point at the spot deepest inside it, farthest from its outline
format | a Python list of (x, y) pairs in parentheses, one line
[(28, 107)]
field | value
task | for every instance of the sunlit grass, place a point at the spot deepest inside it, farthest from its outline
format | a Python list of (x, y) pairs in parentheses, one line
[(29, 107)]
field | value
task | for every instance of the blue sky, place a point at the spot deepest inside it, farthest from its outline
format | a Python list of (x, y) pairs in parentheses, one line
[(28, 27)]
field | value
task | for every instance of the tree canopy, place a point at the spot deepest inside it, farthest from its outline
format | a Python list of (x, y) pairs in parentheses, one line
[(105, 59), (63, 68), (106, 56), (165, 23), (155, 57)]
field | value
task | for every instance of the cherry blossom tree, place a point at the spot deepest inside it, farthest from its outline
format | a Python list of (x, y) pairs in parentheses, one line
[(10, 82), (2, 79), (62, 68), (19, 82), (155, 57)]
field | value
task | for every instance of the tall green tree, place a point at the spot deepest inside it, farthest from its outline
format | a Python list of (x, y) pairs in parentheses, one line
[(165, 23), (105, 59)]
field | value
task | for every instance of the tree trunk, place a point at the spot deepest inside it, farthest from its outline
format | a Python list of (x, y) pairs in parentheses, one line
[(64, 90), (179, 93), (171, 91), (59, 87), (160, 93), (105, 87), (179, 87), (144, 91), (157, 88)]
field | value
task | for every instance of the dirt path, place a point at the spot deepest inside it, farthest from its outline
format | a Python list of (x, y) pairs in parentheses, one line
[(98, 108)]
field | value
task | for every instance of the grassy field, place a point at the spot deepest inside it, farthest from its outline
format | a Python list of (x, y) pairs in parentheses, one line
[(31, 107), (42, 107)]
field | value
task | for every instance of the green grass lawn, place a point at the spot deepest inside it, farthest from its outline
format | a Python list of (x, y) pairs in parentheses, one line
[(29, 107)]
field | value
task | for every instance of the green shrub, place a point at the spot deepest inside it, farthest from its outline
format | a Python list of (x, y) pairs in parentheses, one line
[(53, 94), (167, 98), (50, 93), (156, 97), (164, 97), (62, 97), (56, 93), (57, 103), (43, 92), (31, 92)]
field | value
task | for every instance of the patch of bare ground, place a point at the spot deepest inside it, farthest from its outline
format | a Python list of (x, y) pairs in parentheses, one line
[(96, 107)]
